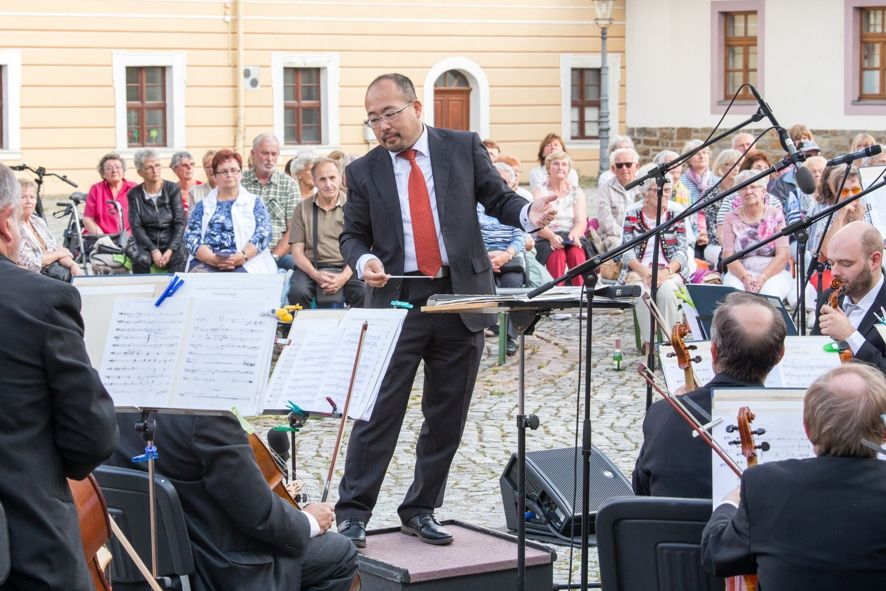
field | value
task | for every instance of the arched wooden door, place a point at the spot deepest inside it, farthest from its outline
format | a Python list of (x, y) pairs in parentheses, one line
[(452, 101)]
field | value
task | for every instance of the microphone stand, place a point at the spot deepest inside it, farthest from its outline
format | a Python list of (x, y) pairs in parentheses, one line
[(799, 228), (40, 172), (588, 270), (660, 180)]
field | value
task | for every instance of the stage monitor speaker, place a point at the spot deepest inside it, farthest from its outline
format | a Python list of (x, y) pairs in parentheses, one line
[(551, 514)]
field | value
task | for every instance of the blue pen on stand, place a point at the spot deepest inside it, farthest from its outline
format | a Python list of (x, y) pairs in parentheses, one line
[(170, 289)]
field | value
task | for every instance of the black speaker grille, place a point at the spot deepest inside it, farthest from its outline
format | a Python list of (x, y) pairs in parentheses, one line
[(562, 467)]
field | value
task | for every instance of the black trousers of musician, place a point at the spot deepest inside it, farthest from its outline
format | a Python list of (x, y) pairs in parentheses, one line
[(452, 358)]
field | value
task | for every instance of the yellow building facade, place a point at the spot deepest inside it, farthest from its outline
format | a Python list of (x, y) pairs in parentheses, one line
[(84, 77)]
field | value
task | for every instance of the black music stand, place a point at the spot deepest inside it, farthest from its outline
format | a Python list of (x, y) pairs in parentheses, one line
[(524, 313)]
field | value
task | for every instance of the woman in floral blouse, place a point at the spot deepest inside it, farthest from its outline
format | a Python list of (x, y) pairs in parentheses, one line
[(765, 269), (229, 230)]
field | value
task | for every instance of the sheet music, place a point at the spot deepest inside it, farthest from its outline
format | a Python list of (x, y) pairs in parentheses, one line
[(264, 288), (874, 201), (319, 360), (804, 360), (188, 354), (140, 356), (778, 411)]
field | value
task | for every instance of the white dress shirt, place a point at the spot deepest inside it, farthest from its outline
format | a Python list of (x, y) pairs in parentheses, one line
[(856, 312)]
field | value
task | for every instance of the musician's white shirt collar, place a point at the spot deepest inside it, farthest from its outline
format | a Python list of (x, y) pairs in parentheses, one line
[(856, 312)]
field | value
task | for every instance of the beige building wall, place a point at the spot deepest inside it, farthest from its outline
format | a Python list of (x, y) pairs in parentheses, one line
[(70, 55)]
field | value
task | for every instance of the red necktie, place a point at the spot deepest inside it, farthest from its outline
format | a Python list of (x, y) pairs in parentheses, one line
[(424, 233)]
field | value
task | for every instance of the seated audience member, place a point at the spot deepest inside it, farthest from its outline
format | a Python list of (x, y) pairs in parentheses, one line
[(860, 142), (742, 142), (747, 341), (243, 536), (301, 172), (799, 204), (679, 191), (538, 176), (765, 269), (316, 224), (493, 148), (183, 165), (833, 189), (201, 190), (800, 133), (637, 263), (229, 230), (856, 257), (514, 183), (725, 168), (755, 161), (100, 216), (39, 251), (614, 199), (561, 243), (157, 219), (680, 195), (697, 177), (616, 142), (814, 523)]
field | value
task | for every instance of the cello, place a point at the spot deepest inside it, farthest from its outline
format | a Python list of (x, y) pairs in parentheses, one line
[(95, 526)]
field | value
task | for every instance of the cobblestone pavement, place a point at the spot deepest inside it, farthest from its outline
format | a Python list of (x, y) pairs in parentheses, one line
[(552, 362)]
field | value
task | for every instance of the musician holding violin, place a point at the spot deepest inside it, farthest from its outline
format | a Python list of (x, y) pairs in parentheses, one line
[(57, 419), (243, 535), (852, 313), (816, 523), (747, 341)]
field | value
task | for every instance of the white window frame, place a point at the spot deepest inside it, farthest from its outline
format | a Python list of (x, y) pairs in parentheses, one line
[(176, 69), (11, 70), (329, 65), (568, 62)]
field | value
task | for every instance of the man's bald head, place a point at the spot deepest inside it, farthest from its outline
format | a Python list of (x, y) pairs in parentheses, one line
[(862, 234), (747, 338)]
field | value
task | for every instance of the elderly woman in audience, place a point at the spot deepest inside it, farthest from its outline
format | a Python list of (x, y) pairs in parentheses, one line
[(100, 215), (755, 161), (681, 196), (183, 165), (538, 176), (672, 256), (514, 184), (725, 168), (765, 269), (230, 229), (698, 176), (201, 190), (799, 204), (157, 219), (561, 243), (300, 170), (39, 250)]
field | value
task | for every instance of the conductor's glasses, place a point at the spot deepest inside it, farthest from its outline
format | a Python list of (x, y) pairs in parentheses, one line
[(386, 117)]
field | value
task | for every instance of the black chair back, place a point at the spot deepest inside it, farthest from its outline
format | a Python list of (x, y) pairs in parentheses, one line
[(653, 544), (4, 546), (126, 492)]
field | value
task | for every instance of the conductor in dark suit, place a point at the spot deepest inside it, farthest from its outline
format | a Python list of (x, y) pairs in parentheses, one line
[(747, 342), (856, 257), (243, 536), (817, 523), (411, 210), (56, 421)]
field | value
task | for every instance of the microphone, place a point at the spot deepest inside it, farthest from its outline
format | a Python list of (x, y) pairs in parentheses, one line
[(278, 441), (19, 167), (618, 291), (804, 178), (864, 153)]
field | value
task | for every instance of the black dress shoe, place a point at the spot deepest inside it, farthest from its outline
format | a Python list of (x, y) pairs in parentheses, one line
[(354, 530), (426, 527), (512, 346)]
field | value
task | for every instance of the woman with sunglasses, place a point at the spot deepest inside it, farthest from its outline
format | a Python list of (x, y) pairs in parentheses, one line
[(229, 230), (829, 193), (763, 270)]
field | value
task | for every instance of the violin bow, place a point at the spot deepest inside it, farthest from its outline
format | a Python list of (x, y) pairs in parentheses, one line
[(344, 413)]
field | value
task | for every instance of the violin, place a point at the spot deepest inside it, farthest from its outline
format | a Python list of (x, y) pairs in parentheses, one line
[(95, 526), (837, 286), (683, 355), (749, 451), (270, 469)]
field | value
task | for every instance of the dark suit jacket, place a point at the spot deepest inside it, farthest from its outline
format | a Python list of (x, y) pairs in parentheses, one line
[(672, 463), (463, 175), (243, 536), (56, 421), (806, 524), (874, 349)]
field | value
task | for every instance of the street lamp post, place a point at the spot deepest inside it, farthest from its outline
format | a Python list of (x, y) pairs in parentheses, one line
[(604, 21)]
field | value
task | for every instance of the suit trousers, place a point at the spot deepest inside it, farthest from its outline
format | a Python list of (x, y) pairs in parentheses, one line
[(451, 355)]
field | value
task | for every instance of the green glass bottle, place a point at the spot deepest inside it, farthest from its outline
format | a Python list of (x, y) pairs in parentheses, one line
[(617, 356)]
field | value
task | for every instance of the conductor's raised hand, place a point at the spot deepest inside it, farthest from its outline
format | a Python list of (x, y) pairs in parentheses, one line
[(542, 210), (374, 273)]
